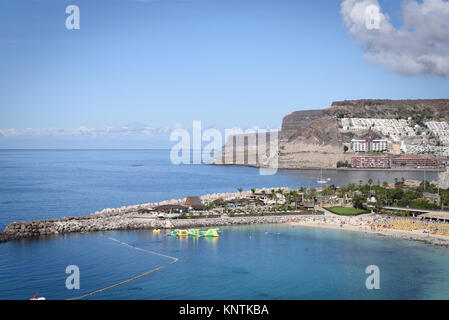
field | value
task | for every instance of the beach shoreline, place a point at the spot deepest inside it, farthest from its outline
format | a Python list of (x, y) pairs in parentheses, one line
[(393, 233), (131, 218), (55, 227), (128, 222)]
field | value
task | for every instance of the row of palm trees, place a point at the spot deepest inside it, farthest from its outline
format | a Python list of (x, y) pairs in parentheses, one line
[(278, 194), (328, 190)]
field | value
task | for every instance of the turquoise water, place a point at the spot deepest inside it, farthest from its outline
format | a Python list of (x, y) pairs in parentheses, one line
[(42, 184), (244, 263)]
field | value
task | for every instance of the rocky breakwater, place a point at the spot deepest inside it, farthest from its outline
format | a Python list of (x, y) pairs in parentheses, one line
[(20, 230), (127, 218), (230, 221), (108, 219)]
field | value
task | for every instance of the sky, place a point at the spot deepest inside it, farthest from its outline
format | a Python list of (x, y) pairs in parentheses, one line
[(138, 68)]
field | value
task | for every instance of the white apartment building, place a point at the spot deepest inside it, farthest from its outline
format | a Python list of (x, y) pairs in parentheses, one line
[(379, 145), (358, 145), (440, 129), (392, 128), (369, 145)]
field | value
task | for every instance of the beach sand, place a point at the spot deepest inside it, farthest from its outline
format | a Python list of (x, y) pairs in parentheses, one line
[(363, 224)]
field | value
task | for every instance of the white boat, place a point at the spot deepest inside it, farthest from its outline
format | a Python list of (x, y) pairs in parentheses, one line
[(36, 297), (321, 180)]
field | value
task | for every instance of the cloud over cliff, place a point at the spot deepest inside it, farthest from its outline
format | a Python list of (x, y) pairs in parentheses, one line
[(419, 47)]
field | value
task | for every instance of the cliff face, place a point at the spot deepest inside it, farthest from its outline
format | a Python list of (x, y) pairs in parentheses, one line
[(437, 109), (294, 124), (297, 120), (312, 139)]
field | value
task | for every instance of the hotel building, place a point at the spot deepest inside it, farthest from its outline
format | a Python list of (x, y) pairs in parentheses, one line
[(369, 145), (371, 162), (384, 162)]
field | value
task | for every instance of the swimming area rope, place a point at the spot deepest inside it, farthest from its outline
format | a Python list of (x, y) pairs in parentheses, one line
[(174, 260)]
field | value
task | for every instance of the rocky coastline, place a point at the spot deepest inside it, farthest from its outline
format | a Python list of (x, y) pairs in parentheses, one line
[(31, 229), (132, 218), (129, 218)]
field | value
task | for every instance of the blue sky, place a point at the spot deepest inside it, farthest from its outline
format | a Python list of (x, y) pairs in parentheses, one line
[(160, 63)]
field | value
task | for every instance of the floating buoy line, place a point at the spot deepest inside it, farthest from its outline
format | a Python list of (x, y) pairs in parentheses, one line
[(173, 260)]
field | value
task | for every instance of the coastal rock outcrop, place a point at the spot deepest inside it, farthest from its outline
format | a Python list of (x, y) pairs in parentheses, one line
[(20, 230), (127, 218), (313, 139)]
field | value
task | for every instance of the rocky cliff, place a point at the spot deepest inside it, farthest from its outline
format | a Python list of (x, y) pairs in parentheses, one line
[(312, 139), (436, 109)]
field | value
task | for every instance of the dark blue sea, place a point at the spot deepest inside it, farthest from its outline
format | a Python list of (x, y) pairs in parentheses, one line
[(245, 262)]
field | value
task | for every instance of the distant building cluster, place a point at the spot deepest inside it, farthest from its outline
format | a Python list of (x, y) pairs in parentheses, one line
[(414, 162), (369, 145), (194, 206), (395, 129), (440, 129), (412, 139), (384, 162), (424, 149)]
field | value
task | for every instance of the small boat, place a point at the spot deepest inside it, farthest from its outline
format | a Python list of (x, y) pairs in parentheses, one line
[(156, 230), (36, 297), (321, 180)]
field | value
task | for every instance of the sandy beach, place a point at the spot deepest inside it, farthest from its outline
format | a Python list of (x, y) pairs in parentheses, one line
[(370, 223)]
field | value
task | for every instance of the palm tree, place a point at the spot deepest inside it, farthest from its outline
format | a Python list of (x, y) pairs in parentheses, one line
[(253, 191), (370, 182), (288, 199), (294, 194), (385, 184), (240, 191), (312, 192), (360, 182)]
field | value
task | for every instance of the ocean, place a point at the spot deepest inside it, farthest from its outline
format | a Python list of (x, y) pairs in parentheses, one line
[(245, 262)]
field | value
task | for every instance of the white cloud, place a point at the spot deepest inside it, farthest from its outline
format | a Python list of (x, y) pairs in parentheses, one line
[(420, 46), (128, 131), (82, 131)]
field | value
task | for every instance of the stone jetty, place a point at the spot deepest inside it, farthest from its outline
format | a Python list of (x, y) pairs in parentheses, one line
[(129, 218), (19, 230)]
